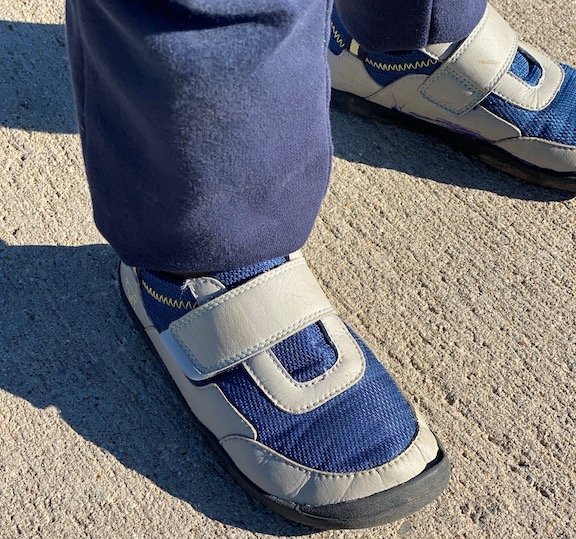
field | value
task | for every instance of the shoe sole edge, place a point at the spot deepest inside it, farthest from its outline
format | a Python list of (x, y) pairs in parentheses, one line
[(475, 148)]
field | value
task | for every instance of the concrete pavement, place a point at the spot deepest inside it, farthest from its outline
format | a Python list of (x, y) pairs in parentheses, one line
[(467, 293)]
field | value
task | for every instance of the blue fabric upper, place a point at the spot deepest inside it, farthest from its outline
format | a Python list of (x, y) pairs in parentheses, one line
[(388, 68), (557, 122), (366, 426), (384, 68)]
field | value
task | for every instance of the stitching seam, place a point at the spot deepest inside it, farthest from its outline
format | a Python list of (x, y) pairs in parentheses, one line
[(318, 379), (542, 106), (322, 476), (170, 302), (401, 67), (337, 36)]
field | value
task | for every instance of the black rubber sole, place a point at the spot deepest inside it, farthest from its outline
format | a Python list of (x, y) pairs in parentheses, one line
[(376, 510), (482, 151)]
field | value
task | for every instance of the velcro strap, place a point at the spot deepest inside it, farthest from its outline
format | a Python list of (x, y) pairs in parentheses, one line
[(250, 318), (472, 72)]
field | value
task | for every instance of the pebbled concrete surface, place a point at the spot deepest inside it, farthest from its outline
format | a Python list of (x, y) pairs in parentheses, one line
[(462, 278)]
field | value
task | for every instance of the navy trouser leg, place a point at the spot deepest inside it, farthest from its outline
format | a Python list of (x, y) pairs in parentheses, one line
[(204, 123), (204, 126), (395, 25)]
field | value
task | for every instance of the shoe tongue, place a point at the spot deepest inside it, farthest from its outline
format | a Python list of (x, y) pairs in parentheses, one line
[(526, 69), (233, 278)]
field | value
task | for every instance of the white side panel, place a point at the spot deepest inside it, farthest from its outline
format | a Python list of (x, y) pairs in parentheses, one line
[(293, 482)]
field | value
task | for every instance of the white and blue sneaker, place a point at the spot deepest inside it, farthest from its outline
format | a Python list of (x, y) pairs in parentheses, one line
[(295, 404), (498, 99)]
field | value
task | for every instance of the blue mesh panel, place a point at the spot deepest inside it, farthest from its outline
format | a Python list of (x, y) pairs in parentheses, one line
[(555, 123), (366, 426), (307, 354), (526, 69), (235, 277), (389, 67)]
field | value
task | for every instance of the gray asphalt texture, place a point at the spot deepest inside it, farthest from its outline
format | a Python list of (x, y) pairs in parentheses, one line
[(461, 278)]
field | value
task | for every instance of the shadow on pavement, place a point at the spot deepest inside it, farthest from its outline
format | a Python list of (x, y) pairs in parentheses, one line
[(67, 341), (388, 145), (34, 83)]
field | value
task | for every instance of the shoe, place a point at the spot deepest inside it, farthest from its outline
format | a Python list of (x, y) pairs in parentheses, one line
[(498, 99), (294, 403)]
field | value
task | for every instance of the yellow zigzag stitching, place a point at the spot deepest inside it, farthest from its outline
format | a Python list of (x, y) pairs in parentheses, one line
[(337, 36), (176, 303), (379, 65), (401, 67)]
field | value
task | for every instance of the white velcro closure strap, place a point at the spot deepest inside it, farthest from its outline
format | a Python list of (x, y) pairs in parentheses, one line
[(249, 319), (475, 68)]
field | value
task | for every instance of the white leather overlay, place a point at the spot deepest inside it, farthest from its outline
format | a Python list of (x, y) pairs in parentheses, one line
[(300, 397), (475, 68), (250, 318), (204, 289), (520, 93), (291, 481), (347, 73), (131, 287), (404, 96), (542, 153), (208, 403), (441, 51)]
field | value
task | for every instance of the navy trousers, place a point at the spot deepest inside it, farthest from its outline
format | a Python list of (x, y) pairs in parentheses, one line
[(204, 123)]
